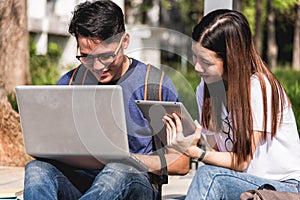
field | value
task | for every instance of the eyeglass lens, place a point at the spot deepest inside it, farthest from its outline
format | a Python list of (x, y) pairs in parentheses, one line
[(106, 58)]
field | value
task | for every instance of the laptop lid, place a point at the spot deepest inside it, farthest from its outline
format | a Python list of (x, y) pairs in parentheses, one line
[(84, 126)]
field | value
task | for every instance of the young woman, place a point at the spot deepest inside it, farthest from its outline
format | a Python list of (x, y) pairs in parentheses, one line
[(246, 110)]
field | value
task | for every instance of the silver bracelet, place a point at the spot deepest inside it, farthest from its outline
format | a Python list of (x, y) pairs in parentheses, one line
[(202, 155)]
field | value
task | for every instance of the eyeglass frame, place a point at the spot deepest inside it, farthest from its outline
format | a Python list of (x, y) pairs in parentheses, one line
[(98, 56), (228, 139)]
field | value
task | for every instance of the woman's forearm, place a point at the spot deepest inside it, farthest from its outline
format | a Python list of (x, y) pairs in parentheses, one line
[(224, 159)]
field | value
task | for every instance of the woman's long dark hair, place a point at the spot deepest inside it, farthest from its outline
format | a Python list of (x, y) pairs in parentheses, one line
[(228, 34)]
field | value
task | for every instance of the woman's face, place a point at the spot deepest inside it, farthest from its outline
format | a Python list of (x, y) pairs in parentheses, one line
[(207, 63)]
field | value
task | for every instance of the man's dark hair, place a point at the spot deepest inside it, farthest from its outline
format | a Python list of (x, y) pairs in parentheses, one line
[(97, 20)]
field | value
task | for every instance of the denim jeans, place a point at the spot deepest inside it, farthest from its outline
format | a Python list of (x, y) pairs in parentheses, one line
[(214, 183), (115, 181)]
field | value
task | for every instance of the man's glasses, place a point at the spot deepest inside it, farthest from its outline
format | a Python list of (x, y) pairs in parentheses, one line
[(105, 58), (227, 130)]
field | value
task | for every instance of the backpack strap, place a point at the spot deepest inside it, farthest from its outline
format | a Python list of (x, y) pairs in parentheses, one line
[(153, 80), (153, 91), (73, 75), (82, 76)]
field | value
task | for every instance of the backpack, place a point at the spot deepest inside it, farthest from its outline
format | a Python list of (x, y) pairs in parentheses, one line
[(152, 91), (268, 192)]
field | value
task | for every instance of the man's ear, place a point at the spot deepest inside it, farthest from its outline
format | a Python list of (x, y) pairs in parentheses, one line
[(126, 41)]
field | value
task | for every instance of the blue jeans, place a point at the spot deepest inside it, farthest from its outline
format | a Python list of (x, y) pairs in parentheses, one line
[(214, 183), (115, 181)]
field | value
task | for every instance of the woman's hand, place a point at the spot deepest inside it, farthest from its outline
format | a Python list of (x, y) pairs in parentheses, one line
[(176, 139)]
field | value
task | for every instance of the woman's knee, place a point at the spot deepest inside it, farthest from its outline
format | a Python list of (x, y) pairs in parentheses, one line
[(207, 170)]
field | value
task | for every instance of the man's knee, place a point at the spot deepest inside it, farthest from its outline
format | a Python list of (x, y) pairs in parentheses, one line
[(125, 174), (36, 166), (37, 171)]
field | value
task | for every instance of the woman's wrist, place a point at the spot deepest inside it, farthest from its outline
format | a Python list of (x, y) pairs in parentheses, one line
[(202, 155), (196, 153)]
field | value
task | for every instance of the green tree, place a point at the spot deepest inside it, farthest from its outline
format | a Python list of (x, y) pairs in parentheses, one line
[(272, 48), (172, 13), (296, 49), (258, 26), (281, 20)]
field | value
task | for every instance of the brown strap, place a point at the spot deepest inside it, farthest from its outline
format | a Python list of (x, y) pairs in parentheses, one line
[(146, 82), (153, 83), (73, 75), (160, 86)]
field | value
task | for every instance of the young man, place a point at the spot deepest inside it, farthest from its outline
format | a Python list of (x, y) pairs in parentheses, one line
[(100, 33)]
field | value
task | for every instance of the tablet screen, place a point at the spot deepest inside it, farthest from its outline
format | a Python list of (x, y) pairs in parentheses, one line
[(154, 111)]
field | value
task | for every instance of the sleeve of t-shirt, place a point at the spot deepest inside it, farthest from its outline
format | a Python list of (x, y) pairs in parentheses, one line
[(65, 79), (257, 106), (200, 97)]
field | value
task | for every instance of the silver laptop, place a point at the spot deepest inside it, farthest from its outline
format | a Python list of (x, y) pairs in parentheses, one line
[(83, 126)]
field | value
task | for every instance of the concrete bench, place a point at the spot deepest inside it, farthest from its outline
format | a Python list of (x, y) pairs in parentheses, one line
[(11, 178)]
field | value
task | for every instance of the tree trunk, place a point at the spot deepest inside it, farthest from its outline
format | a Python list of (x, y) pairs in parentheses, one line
[(258, 27), (12, 151), (14, 45), (272, 51), (239, 5), (14, 70), (296, 49)]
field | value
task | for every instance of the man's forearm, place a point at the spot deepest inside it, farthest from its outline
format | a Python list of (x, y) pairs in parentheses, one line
[(177, 164)]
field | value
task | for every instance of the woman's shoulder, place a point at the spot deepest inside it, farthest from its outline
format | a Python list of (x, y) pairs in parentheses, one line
[(257, 79)]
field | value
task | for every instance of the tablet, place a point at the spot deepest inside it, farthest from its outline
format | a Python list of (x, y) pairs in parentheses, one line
[(154, 111)]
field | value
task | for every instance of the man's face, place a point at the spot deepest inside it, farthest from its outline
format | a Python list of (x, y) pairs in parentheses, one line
[(105, 60)]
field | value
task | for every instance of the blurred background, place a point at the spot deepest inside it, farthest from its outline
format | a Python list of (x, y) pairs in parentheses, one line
[(37, 49)]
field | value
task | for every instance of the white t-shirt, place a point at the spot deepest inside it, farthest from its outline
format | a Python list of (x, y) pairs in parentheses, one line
[(276, 159)]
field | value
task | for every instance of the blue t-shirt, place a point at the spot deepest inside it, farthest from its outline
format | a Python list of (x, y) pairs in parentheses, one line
[(132, 83)]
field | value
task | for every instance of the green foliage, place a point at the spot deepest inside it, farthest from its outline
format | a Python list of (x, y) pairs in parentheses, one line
[(190, 12), (166, 4), (43, 68), (284, 6), (13, 101)]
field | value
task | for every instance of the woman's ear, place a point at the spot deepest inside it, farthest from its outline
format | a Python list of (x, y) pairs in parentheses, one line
[(126, 41)]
